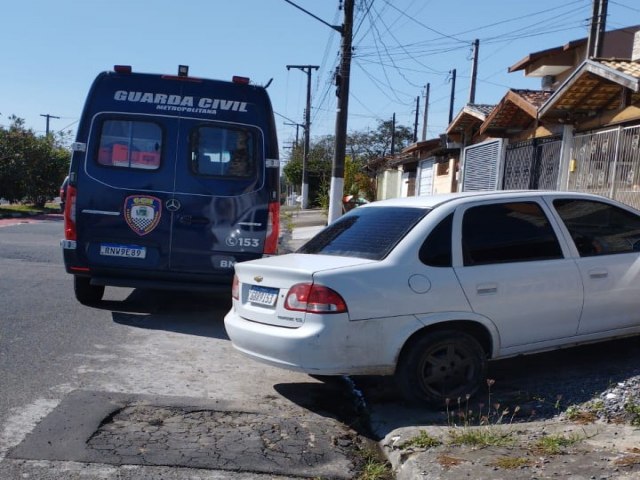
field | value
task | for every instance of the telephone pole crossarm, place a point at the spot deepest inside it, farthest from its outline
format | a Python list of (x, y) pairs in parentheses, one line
[(337, 28), (48, 117)]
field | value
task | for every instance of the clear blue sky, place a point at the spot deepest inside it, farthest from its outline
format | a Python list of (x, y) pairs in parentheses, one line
[(51, 51)]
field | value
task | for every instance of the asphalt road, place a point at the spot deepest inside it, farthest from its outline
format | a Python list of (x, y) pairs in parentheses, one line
[(159, 367)]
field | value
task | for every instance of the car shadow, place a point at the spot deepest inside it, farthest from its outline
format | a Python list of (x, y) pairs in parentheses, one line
[(332, 397), (180, 312), (519, 389)]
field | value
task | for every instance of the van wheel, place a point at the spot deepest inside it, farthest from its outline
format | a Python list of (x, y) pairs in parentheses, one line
[(86, 293), (441, 366)]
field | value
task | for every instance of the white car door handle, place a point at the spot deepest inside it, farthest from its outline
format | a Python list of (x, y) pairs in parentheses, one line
[(598, 273), (487, 289)]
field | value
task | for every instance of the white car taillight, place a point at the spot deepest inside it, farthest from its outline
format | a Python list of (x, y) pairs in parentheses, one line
[(235, 288), (310, 298)]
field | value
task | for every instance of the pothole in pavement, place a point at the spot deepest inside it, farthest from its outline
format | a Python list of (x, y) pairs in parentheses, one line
[(119, 429)]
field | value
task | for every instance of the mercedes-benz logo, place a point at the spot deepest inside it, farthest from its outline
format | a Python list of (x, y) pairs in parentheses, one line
[(172, 204)]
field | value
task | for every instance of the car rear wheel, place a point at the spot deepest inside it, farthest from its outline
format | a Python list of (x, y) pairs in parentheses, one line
[(86, 293), (440, 366)]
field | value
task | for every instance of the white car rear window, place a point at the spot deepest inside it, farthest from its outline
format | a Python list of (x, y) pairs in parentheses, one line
[(368, 232)]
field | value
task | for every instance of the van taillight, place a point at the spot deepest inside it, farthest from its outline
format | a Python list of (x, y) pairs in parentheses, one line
[(241, 80), (273, 229), (70, 214)]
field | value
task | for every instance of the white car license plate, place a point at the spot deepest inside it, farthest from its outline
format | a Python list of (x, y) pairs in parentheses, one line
[(129, 251), (263, 295)]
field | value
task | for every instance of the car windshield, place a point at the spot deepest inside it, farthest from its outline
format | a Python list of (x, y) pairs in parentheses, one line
[(368, 232)]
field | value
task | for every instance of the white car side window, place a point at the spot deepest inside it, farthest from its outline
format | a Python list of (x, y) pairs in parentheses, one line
[(507, 232), (598, 228)]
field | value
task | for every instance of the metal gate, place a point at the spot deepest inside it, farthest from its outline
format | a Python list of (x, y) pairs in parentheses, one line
[(481, 166), (425, 177), (532, 164), (608, 163)]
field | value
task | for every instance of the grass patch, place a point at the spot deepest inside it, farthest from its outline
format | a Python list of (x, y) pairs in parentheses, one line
[(373, 468), (422, 440), (555, 444), (584, 414), (26, 209), (633, 409), (288, 221), (480, 437), (512, 463)]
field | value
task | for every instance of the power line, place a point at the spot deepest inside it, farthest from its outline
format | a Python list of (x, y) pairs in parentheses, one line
[(424, 25)]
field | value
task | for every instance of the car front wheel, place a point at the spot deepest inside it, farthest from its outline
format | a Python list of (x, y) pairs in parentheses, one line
[(86, 293), (441, 366)]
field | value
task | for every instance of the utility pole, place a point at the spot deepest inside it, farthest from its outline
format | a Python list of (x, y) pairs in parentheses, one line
[(602, 22), (474, 71), (393, 134), (48, 117), (453, 94), (342, 91), (297, 125), (426, 113), (415, 124), (307, 127), (596, 33)]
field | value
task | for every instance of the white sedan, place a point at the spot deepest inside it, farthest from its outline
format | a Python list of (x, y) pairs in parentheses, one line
[(429, 288)]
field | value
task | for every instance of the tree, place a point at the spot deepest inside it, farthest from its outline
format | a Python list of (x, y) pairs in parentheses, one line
[(363, 146), (318, 169), (369, 145), (31, 167)]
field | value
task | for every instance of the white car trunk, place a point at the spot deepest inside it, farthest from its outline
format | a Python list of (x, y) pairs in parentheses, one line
[(265, 283)]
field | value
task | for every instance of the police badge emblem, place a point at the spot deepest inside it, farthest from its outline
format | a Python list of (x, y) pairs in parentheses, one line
[(142, 213)]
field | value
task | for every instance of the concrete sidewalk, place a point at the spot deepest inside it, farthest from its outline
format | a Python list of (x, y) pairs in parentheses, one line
[(298, 226)]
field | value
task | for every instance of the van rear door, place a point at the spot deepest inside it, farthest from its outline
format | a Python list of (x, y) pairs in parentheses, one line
[(219, 209), (128, 178)]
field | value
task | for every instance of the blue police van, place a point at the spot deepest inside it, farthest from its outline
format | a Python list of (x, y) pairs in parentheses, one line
[(173, 179)]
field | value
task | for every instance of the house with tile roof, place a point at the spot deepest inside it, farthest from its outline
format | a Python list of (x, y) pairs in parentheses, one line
[(580, 131)]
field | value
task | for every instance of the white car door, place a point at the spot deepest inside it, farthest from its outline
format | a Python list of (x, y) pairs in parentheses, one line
[(514, 271), (607, 239)]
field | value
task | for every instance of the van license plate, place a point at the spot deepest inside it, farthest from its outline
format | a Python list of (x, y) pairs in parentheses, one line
[(263, 295), (129, 251)]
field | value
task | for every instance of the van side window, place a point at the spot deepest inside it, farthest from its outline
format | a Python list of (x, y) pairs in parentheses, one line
[(223, 152), (130, 144)]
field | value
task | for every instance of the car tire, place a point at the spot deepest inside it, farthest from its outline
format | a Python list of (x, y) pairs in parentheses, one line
[(86, 293), (441, 366)]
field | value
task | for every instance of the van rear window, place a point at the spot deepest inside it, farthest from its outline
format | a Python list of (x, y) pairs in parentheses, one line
[(130, 144), (223, 152)]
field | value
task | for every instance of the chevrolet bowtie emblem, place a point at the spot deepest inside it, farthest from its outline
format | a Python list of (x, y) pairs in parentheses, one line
[(258, 278)]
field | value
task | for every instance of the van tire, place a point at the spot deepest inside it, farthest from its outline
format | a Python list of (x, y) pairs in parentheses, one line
[(86, 293), (441, 366)]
